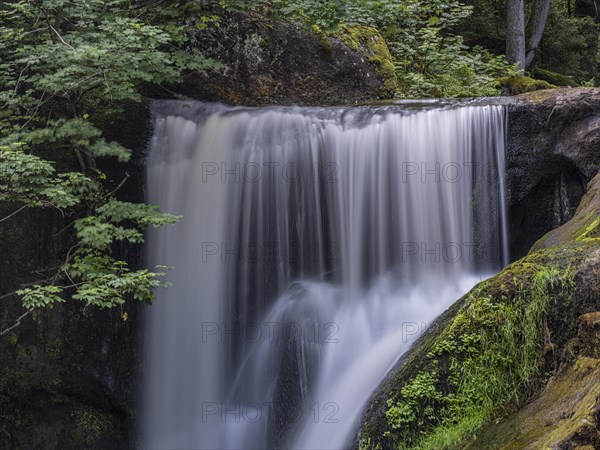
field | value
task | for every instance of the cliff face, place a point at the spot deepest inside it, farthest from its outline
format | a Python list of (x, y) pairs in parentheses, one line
[(67, 375), (552, 152)]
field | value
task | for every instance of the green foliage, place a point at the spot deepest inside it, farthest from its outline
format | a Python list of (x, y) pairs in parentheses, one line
[(326, 14), (489, 356), (433, 61), (40, 296), (105, 282), (28, 179), (570, 45), (100, 230), (64, 69)]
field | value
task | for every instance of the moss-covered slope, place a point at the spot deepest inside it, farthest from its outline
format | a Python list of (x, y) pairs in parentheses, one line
[(521, 344)]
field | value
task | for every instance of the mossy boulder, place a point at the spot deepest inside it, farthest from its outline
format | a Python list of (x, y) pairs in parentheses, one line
[(554, 78), (519, 345), (516, 85), (269, 62), (368, 42)]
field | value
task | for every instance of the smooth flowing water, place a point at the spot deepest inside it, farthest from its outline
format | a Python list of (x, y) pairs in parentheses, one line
[(316, 244)]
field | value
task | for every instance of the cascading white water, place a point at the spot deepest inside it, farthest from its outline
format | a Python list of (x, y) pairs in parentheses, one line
[(316, 244)]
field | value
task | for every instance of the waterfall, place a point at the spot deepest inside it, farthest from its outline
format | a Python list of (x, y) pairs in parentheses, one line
[(316, 245)]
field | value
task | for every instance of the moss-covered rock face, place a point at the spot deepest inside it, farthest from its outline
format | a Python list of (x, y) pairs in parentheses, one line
[(554, 78), (513, 364), (563, 415), (284, 63), (521, 85), (368, 42)]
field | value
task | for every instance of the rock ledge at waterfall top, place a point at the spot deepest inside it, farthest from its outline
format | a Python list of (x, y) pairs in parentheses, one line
[(559, 405)]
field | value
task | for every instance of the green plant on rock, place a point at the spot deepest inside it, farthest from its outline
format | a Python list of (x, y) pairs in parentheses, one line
[(489, 356), (65, 70)]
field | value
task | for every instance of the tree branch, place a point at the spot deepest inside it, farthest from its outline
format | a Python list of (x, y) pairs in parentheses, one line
[(17, 322), (111, 193), (12, 214), (60, 37)]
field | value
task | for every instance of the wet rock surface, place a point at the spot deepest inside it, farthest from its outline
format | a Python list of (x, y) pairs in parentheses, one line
[(552, 152)]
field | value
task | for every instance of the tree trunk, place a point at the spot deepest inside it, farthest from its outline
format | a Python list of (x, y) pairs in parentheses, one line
[(539, 17), (515, 32)]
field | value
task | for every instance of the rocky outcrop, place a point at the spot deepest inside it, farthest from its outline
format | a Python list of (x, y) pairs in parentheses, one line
[(284, 63), (565, 415), (534, 381), (553, 151)]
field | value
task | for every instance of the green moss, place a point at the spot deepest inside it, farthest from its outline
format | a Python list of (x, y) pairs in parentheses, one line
[(54, 348), (365, 443), (486, 357), (325, 47), (91, 424), (369, 42), (13, 338), (553, 77), (582, 228), (589, 229), (521, 85), (561, 414)]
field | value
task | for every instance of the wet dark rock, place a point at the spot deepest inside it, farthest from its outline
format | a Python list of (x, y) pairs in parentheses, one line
[(553, 151), (67, 375)]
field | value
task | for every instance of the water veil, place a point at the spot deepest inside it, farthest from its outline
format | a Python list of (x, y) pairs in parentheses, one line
[(316, 245)]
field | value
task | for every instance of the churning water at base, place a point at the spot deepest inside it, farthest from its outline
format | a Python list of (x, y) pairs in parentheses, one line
[(316, 244)]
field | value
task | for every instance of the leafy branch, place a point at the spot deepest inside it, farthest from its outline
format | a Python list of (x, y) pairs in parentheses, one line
[(57, 90)]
